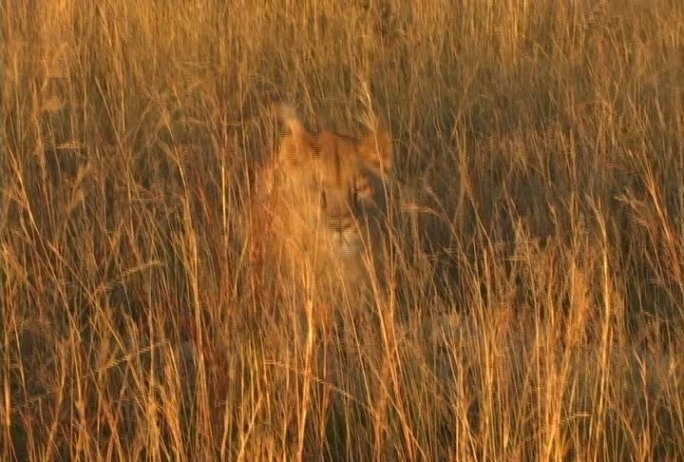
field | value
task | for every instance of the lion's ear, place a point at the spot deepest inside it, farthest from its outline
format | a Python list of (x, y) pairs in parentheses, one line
[(289, 117), (296, 146), (376, 148)]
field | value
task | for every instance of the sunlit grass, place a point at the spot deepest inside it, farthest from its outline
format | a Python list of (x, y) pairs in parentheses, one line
[(538, 283)]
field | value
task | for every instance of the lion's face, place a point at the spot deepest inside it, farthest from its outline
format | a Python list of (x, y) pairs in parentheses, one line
[(338, 190), (327, 199)]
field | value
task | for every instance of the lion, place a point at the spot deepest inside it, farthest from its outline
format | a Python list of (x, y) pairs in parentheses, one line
[(321, 209)]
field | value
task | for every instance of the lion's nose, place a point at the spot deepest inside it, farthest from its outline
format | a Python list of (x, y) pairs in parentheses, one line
[(340, 222)]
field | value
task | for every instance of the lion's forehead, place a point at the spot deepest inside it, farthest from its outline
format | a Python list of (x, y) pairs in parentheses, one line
[(338, 160), (333, 165), (340, 175)]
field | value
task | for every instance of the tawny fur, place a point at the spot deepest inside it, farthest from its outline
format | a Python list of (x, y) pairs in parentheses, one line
[(321, 206)]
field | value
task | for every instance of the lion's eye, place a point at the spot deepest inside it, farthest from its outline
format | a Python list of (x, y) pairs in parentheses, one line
[(362, 188)]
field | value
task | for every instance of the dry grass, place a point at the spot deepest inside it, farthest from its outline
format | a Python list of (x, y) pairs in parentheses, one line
[(540, 146)]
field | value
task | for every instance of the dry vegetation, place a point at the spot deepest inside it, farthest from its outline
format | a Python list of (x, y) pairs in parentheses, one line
[(538, 306)]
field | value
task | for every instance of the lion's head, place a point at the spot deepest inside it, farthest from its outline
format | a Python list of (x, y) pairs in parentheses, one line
[(324, 200)]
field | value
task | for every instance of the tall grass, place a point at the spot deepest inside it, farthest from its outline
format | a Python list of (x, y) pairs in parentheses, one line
[(538, 311)]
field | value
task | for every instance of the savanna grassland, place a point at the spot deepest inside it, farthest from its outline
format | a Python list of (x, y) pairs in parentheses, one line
[(536, 309)]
